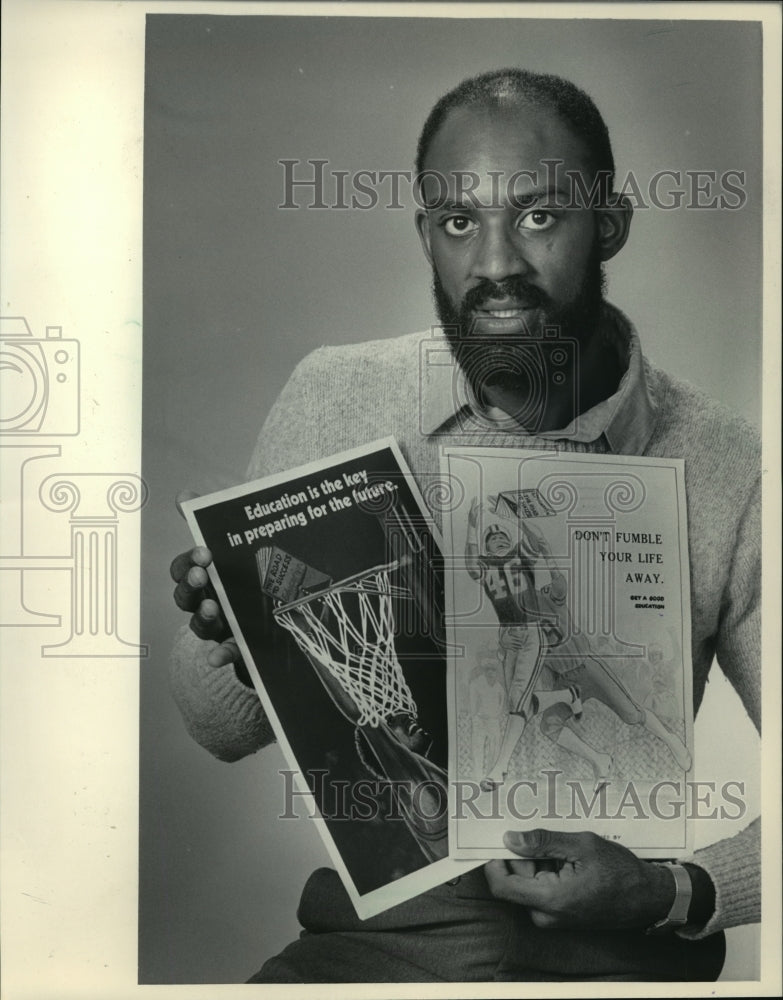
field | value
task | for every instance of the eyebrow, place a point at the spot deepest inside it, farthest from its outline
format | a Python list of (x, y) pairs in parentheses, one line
[(526, 200)]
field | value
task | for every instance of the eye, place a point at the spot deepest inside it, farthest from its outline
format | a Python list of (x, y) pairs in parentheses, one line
[(538, 220), (459, 225)]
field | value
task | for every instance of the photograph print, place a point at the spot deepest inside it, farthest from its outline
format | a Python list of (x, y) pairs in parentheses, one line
[(296, 294)]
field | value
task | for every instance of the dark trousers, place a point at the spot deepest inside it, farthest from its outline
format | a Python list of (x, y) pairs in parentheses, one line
[(459, 933)]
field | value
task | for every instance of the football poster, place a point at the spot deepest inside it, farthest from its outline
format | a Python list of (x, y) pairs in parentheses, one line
[(568, 613), (330, 579)]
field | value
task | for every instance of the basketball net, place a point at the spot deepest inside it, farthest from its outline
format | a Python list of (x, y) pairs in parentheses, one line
[(355, 641)]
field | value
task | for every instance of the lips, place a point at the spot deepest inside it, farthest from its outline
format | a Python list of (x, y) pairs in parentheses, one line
[(508, 318)]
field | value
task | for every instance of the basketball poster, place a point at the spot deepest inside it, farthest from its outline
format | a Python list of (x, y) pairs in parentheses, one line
[(331, 581), (568, 611)]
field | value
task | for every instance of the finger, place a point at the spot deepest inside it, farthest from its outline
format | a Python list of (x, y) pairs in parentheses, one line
[(554, 865), (496, 873), (542, 919), (507, 884), (181, 564), (527, 869), (545, 844), (207, 622), (182, 496), (192, 590), (227, 652), (526, 888)]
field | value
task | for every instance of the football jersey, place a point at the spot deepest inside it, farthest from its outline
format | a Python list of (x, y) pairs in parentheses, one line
[(509, 583)]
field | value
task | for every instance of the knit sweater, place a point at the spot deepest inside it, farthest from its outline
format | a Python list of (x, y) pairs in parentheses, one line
[(344, 397)]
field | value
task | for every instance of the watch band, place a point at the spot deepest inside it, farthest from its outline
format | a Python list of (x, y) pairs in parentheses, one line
[(678, 914)]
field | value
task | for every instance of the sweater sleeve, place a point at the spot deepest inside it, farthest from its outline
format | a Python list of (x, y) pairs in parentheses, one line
[(220, 712), (734, 864), (739, 635)]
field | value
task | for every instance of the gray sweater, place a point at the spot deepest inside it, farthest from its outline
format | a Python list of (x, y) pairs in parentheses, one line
[(344, 397)]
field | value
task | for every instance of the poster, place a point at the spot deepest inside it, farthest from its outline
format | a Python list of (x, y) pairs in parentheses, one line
[(330, 578), (568, 597)]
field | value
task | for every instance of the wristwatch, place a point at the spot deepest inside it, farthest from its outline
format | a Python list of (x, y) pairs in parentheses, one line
[(678, 914)]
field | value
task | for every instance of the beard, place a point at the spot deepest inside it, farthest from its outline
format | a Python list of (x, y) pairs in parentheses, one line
[(522, 364)]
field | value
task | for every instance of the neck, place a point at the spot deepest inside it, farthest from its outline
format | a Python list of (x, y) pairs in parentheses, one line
[(592, 376)]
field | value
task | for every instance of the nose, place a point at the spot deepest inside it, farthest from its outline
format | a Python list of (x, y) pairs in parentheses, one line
[(498, 253)]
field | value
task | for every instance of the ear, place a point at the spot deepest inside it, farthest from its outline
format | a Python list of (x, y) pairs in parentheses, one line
[(425, 236), (614, 224)]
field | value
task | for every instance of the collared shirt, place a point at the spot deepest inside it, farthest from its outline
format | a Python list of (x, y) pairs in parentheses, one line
[(625, 419)]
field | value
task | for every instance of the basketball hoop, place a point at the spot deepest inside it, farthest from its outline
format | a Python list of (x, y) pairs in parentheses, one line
[(348, 628)]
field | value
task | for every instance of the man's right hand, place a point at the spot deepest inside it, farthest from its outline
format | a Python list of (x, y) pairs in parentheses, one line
[(194, 593)]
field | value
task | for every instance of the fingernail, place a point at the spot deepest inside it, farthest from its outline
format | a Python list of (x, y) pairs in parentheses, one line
[(513, 838)]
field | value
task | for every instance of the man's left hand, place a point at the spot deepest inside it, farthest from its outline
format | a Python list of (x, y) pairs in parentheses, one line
[(586, 881)]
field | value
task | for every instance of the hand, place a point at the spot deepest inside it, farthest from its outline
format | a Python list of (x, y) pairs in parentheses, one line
[(597, 883), (194, 593)]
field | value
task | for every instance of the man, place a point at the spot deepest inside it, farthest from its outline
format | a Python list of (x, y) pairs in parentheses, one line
[(514, 254)]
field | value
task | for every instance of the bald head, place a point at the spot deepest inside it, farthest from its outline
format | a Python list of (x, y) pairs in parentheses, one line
[(500, 92)]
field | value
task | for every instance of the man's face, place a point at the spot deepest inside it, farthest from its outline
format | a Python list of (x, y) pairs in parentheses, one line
[(507, 260)]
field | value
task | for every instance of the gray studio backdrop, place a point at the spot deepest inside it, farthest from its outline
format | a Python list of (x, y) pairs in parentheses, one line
[(236, 291)]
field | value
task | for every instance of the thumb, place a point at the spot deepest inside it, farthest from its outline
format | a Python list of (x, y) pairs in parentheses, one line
[(541, 844), (182, 496)]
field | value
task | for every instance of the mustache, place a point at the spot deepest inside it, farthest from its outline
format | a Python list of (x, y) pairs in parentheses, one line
[(513, 287)]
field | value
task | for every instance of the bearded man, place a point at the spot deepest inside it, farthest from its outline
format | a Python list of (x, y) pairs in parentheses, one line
[(517, 218)]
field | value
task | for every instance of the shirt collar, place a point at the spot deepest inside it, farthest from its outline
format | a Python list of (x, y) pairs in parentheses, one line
[(626, 419)]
